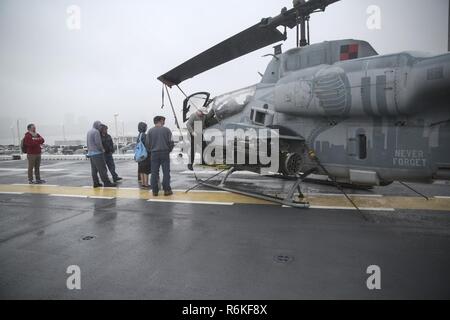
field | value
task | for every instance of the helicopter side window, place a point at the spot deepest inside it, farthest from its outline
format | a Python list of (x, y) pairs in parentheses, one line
[(260, 118), (293, 62), (316, 58), (362, 141), (304, 59)]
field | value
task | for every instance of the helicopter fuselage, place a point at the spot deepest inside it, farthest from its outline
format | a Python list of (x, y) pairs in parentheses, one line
[(371, 119)]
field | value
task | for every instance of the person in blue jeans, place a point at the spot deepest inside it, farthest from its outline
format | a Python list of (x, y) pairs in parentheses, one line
[(97, 158), (159, 142), (108, 145)]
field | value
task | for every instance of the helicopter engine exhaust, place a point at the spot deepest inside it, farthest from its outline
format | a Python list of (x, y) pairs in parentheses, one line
[(290, 163)]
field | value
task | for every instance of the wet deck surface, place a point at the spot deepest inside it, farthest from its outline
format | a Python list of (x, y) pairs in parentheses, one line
[(216, 245)]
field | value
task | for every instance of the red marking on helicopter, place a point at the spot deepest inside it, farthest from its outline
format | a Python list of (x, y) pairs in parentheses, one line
[(349, 52)]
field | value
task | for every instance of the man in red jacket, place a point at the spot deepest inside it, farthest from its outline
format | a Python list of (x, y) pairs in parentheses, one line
[(32, 143)]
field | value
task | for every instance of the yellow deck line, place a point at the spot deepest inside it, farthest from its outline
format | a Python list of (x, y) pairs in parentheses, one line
[(209, 196), (394, 202)]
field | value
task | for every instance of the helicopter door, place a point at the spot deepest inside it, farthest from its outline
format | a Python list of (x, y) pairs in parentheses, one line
[(194, 102)]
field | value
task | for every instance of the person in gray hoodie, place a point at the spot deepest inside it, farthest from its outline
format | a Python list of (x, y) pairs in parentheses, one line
[(96, 156)]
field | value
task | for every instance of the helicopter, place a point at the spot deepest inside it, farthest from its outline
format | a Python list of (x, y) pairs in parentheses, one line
[(341, 109)]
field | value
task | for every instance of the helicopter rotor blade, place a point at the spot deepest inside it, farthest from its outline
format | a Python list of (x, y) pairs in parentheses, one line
[(249, 40), (256, 37)]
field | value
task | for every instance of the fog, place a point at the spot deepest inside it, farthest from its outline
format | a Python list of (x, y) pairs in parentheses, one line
[(62, 79)]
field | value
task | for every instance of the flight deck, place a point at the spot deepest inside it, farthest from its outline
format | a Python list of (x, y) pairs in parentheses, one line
[(209, 244)]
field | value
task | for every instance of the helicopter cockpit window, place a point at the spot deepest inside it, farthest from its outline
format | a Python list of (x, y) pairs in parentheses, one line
[(194, 102), (232, 103)]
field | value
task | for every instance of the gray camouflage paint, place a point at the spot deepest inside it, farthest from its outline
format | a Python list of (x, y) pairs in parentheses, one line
[(399, 102)]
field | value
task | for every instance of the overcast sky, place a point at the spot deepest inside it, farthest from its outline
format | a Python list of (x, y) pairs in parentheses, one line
[(52, 75)]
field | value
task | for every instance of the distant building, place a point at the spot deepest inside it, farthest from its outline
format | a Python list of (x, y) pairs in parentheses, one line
[(70, 143), (127, 139)]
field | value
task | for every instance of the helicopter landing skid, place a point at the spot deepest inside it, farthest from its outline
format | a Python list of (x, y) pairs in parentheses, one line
[(288, 201)]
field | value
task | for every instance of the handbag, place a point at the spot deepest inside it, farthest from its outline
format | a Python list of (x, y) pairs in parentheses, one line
[(140, 152)]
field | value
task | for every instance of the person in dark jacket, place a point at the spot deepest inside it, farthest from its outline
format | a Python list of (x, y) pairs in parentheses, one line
[(32, 143), (144, 166), (108, 145), (97, 158)]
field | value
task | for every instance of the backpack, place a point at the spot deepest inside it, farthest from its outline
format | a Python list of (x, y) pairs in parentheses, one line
[(140, 152), (23, 147)]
